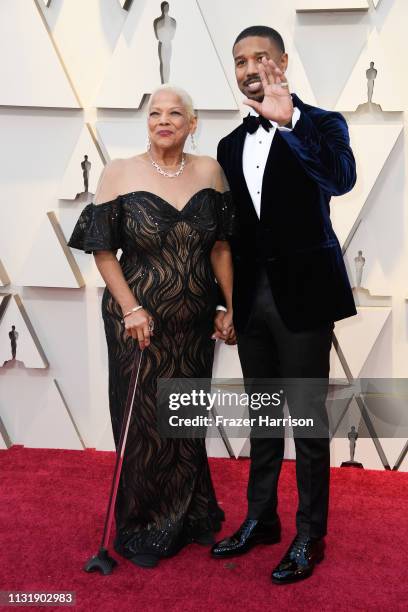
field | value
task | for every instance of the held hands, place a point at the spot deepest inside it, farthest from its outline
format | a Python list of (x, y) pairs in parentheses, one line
[(139, 325), (224, 328), (277, 104)]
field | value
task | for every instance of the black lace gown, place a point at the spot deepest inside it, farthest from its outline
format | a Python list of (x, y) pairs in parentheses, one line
[(165, 497)]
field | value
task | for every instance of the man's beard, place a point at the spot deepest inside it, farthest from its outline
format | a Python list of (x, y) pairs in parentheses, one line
[(256, 98)]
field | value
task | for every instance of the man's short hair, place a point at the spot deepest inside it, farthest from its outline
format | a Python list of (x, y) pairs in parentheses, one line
[(264, 31)]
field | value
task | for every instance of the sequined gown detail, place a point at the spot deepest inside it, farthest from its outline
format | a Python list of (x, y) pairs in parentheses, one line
[(165, 496)]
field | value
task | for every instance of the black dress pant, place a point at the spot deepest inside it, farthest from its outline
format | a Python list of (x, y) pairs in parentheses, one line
[(268, 349)]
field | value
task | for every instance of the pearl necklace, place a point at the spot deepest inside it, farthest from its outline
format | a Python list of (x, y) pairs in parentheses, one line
[(164, 172)]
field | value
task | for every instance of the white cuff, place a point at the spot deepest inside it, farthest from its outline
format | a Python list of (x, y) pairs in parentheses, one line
[(295, 119), (219, 307)]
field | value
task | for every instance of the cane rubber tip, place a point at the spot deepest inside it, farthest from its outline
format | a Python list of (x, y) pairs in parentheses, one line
[(102, 562)]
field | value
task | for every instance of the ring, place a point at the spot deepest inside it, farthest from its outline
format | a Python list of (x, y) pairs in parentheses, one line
[(151, 325), (284, 84)]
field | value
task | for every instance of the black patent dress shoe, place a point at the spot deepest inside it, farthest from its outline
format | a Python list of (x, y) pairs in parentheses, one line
[(251, 533), (299, 560)]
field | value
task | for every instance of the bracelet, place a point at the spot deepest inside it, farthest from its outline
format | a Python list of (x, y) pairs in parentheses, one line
[(135, 309)]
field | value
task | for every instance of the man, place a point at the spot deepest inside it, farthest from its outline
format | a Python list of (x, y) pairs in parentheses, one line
[(283, 164)]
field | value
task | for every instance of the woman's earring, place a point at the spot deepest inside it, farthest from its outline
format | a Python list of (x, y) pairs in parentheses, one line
[(193, 142), (148, 144)]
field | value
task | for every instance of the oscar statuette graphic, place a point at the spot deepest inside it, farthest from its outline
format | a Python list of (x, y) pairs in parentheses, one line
[(371, 75), (165, 30), (371, 106), (13, 336), (86, 167), (352, 436), (359, 262)]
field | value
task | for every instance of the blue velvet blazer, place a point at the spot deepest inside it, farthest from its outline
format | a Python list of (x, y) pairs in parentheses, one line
[(294, 238)]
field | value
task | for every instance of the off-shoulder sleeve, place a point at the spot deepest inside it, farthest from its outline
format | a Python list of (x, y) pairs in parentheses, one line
[(226, 216), (98, 228)]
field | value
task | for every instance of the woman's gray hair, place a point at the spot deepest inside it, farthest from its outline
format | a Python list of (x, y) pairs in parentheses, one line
[(180, 92)]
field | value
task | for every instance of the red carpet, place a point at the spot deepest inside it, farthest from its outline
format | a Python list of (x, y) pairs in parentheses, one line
[(53, 505)]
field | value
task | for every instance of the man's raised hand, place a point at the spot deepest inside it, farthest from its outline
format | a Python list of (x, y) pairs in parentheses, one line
[(277, 104)]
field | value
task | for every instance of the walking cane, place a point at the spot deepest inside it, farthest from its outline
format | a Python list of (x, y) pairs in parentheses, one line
[(103, 562)]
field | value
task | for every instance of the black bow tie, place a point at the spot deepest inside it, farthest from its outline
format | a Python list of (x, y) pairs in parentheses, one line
[(252, 123)]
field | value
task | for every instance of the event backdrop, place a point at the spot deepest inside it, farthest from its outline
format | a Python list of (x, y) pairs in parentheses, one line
[(75, 75)]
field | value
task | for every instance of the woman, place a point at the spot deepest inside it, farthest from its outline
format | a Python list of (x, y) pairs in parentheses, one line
[(171, 215)]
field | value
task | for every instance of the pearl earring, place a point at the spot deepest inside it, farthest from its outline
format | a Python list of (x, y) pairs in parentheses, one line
[(148, 144)]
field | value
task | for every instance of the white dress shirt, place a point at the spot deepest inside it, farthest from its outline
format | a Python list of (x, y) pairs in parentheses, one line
[(255, 154)]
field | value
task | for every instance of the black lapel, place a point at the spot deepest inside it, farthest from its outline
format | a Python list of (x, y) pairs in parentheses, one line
[(273, 163), (270, 172), (239, 173), (298, 102)]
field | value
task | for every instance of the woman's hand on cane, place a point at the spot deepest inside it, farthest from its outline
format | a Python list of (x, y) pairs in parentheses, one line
[(139, 325)]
